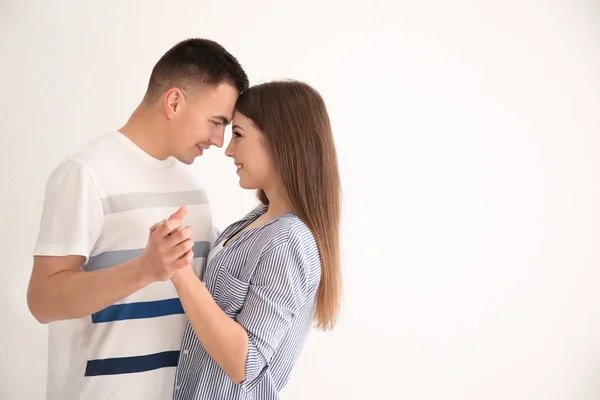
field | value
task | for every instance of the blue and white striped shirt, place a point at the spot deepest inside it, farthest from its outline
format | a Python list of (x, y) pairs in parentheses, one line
[(266, 279)]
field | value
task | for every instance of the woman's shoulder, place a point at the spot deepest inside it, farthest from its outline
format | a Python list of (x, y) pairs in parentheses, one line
[(287, 230), (288, 244)]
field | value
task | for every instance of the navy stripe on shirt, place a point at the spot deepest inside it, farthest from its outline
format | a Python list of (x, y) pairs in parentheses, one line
[(146, 309), (129, 365)]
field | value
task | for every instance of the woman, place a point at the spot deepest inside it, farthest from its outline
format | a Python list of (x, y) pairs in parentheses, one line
[(276, 270)]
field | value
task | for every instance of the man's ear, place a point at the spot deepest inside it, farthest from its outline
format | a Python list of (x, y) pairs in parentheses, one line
[(174, 101)]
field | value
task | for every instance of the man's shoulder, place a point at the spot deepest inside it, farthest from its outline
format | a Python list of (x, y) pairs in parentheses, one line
[(85, 160), (99, 149)]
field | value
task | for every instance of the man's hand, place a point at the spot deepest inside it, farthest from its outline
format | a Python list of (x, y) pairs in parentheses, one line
[(169, 247), (59, 289)]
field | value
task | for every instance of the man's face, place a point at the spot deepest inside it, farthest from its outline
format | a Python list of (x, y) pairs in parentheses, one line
[(197, 121)]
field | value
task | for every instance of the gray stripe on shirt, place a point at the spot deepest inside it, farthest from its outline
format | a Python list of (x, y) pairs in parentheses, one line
[(112, 258), (132, 201)]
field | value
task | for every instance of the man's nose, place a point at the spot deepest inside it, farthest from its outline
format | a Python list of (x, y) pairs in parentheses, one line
[(217, 140)]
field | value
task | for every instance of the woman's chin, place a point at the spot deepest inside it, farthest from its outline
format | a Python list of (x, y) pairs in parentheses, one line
[(246, 185)]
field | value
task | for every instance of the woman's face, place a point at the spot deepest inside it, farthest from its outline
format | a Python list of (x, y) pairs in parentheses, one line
[(248, 148)]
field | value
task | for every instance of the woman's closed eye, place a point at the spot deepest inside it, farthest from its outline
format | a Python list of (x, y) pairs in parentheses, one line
[(236, 134)]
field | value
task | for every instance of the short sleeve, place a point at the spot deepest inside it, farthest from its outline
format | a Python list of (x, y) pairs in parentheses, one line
[(72, 215), (275, 296)]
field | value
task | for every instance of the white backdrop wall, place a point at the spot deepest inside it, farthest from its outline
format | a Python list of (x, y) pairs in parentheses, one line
[(468, 139)]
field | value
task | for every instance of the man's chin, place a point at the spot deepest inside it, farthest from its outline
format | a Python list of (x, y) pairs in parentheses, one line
[(186, 160)]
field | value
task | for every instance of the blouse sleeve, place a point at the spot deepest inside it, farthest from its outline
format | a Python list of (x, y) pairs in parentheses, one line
[(276, 293)]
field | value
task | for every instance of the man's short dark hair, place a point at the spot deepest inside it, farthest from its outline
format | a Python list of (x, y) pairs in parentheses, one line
[(194, 63)]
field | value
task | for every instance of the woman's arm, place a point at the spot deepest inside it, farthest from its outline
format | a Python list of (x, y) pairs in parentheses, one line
[(244, 346), (223, 338)]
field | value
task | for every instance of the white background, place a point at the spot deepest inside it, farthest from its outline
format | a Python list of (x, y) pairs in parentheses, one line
[(468, 139)]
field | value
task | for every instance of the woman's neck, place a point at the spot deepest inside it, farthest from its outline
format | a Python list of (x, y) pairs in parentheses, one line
[(277, 204)]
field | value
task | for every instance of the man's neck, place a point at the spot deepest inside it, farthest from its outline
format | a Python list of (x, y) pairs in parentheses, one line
[(146, 132)]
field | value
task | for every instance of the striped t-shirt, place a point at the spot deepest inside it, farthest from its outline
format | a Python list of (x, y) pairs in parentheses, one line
[(266, 278), (100, 202)]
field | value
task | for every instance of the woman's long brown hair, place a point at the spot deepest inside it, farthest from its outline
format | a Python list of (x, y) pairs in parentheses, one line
[(294, 120)]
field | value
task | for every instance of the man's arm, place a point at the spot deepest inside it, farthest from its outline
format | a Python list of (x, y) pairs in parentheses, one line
[(59, 289), (71, 224)]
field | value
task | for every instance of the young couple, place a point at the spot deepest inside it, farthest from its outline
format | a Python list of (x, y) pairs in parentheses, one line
[(145, 299)]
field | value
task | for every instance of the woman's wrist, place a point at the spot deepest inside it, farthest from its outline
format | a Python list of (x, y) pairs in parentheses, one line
[(183, 274)]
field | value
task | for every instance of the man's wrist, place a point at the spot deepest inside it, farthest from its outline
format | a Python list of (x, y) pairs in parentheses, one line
[(139, 272)]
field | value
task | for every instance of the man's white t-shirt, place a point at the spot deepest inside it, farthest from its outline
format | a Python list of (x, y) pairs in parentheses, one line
[(100, 203)]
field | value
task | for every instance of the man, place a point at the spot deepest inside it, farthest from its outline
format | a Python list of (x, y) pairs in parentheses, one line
[(100, 278)]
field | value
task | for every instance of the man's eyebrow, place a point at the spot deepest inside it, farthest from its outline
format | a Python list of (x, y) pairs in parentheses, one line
[(223, 119)]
